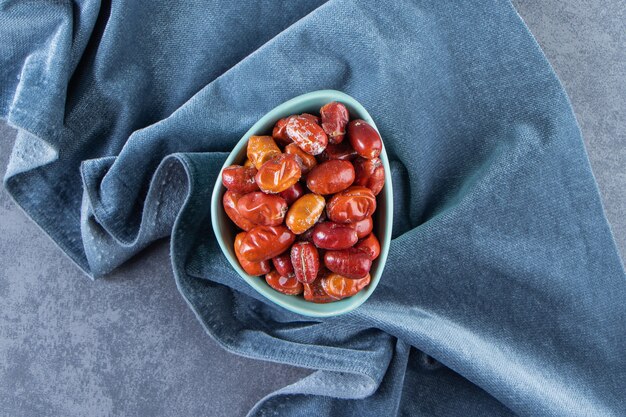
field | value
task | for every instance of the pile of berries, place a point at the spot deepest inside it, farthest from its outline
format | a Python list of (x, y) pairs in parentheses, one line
[(304, 200)]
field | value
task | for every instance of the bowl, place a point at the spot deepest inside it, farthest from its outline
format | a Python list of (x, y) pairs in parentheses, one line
[(225, 230)]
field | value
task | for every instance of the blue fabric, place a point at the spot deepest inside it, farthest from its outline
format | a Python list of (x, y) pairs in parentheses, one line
[(503, 292)]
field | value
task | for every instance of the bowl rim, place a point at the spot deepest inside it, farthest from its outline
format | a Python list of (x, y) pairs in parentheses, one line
[(282, 110)]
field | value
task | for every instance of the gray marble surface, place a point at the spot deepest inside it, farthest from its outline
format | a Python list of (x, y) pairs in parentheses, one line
[(128, 344)]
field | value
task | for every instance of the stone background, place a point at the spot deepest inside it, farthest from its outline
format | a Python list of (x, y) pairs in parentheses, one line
[(129, 345)]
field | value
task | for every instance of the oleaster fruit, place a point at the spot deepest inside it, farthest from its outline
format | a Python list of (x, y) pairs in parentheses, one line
[(305, 200)]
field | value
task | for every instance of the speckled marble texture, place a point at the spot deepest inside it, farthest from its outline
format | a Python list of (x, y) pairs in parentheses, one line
[(129, 345)]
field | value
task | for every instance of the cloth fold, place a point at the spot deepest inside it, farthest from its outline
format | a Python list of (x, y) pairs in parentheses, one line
[(503, 292)]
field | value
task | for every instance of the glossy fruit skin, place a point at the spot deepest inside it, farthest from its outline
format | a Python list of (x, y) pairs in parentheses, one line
[(351, 205), (312, 118), (351, 263), (239, 179), (363, 227), (330, 177), (292, 193), (261, 149), (278, 174), (338, 286), (230, 201), (265, 242), (283, 265), (305, 197), (252, 268), (283, 284), (364, 139), (334, 236), (304, 212), (369, 245), (342, 151), (306, 161), (308, 135), (279, 133), (306, 261), (315, 293), (262, 209), (335, 118), (370, 173)]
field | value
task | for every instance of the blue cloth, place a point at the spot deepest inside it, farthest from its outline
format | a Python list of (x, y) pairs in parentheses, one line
[(503, 292)]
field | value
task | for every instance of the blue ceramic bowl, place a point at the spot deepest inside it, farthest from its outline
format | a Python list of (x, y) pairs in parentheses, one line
[(225, 230)]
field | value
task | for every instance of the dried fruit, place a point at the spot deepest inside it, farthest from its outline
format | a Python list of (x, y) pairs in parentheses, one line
[(329, 235), (304, 212), (364, 139), (334, 121), (342, 151), (369, 245), (286, 285), (305, 197), (252, 268), (363, 227), (351, 263), (330, 177), (278, 174), (305, 260), (370, 173), (315, 293), (262, 209), (308, 135), (306, 161), (338, 286), (261, 149), (311, 117), (265, 242), (279, 133), (283, 265), (351, 205), (230, 201), (292, 193), (239, 179)]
